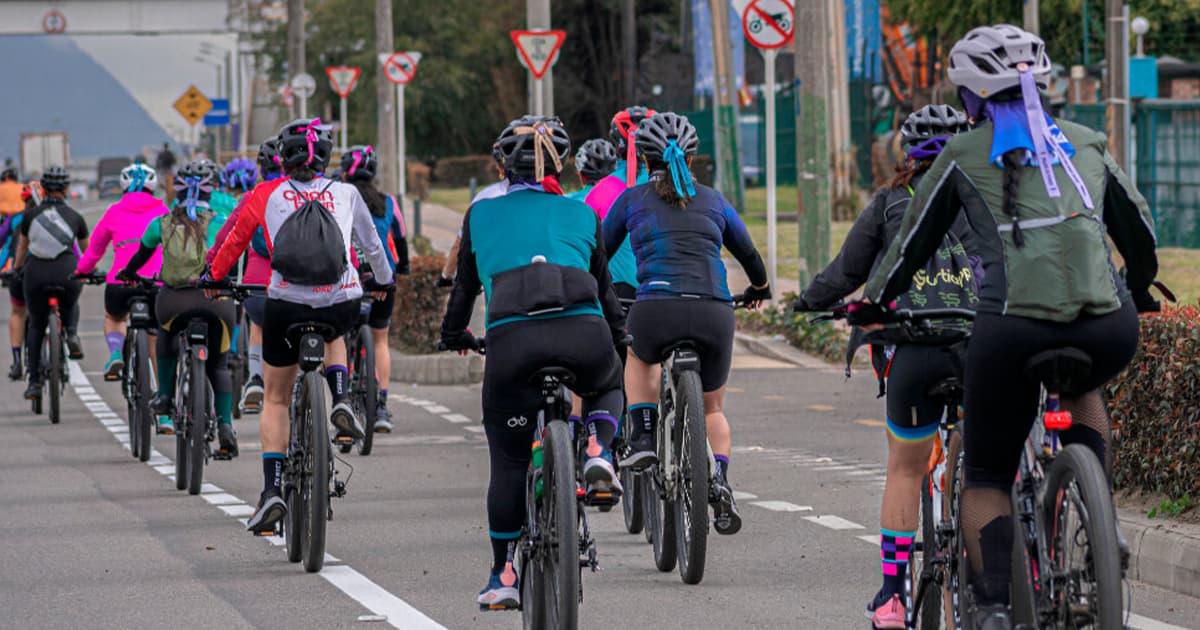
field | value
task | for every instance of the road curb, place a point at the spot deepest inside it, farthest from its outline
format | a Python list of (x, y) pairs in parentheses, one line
[(1164, 554), (780, 351), (437, 369)]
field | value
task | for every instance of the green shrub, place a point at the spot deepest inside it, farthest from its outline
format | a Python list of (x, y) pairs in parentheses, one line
[(420, 304), (456, 172), (1155, 404), (823, 339)]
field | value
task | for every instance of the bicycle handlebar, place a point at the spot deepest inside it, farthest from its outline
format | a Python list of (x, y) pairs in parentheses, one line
[(480, 346)]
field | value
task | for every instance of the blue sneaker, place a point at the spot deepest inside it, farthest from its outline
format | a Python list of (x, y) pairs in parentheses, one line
[(166, 426), (501, 591), (599, 472), (114, 367)]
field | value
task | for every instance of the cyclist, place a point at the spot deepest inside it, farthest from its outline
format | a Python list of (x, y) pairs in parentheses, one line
[(359, 166), (239, 177), (677, 228), (511, 246), (1049, 280), (10, 227), (184, 235), (594, 161), (911, 366), (304, 148), (50, 234), (123, 225), (11, 200)]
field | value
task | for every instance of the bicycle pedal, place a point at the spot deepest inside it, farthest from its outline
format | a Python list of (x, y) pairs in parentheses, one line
[(602, 499), (498, 607), (222, 457), (342, 440), (271, 532)]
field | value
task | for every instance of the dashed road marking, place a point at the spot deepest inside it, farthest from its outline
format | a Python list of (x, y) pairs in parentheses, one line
[(833, 522), (782, 506), (870, 540), (456, 418), (739, 495), (870, 422), (1139, 622)]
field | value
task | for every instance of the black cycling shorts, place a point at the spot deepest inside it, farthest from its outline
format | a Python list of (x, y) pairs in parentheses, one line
[(912, 415), (656, 325), (173, 307), (256, 305), (278, 350), (381, 311), (116, 300)]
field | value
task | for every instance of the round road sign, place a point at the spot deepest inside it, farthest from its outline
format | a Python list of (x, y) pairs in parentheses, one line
[(400, 68), (769, 24), (304, 85), (54, 22)]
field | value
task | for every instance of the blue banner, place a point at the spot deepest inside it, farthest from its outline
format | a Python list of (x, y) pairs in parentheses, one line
[(702, 48), (864, 39)]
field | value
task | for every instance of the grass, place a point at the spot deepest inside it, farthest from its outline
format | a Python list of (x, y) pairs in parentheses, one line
[(1177, 269), (456, 199)]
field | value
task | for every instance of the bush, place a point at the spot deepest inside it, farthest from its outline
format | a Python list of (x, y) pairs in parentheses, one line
[(1155, 404), (456, 172), (824, 339), (420, 304)]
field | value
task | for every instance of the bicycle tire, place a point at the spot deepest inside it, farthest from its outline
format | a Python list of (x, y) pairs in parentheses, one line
[(55, 368), (631, 503), (1076, 466), (954, 588), (691, 498), (293, 525), (145, 417), (182, 422), (127, 381), (369, 388), (239, 362), (315, 482), (931, 603), (197, 429), (560, 521), (646, 493)]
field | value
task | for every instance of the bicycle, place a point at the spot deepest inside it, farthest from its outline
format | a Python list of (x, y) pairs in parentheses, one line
[(54, 351), (238, 360), (364, 384), (138, 380)]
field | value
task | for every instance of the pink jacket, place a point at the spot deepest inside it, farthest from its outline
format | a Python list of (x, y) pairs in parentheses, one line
[(123, 225), (604, 193), (258, 269)]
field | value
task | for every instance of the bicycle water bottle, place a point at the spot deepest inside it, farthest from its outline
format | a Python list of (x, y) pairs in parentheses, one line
[(536, 462)]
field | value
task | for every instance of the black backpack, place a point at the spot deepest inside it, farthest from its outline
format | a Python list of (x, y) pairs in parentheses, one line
[(309, 247)]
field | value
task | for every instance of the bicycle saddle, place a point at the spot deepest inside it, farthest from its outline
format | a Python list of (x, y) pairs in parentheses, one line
[(1061, 370), (326, 331), (561, 374)]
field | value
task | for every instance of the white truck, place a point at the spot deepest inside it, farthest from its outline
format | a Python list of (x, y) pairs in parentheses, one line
[(40, 150)]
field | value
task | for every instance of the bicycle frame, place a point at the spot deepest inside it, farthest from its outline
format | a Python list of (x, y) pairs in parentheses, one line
[(680, 359)]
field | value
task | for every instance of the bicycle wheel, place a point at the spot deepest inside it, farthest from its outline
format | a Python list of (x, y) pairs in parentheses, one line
[(199, 406), (54, 382), (954, 600), (314, 479), (1081, 532), (145, 417), (183, 421), (691, 497), (559, 518), (293, 527), (926, 555), (239, 362), (648, 498), (128, 379), (631, 503), (368, 386)]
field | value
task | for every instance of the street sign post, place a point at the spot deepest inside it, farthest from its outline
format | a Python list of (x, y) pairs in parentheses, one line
[(400, 68), (303, 85), (769, 25), (218, 116), (538, 51), (193, 105), (342, 80)]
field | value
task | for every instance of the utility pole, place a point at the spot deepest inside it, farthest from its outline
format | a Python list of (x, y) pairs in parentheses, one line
[(385, 138), (537, 17), (729, 172), (1031, 16), (1117, 57), (295, 38), (629, 49), (812, 137)]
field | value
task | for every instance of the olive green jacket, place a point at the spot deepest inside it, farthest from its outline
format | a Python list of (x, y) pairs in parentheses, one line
[(1065, 269)]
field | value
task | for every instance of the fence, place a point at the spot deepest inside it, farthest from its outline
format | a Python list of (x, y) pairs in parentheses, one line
[(1166, 143), (752, 143)]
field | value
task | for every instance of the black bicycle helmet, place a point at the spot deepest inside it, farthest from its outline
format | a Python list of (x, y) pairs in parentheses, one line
[(359, 163), (534, 147), (56, 179), (626, 121), (305, 142), (932, 121), (203, 173), (656, 133), (596, 159), (9, 174), (269, 160)]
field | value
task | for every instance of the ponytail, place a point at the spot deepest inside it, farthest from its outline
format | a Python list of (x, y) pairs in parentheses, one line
[(665, 189), (1013, 163)]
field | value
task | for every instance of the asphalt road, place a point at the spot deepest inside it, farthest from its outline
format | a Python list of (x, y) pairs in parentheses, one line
[(91, 538)]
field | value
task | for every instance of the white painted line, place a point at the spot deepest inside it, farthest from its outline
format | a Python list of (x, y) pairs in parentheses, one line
[(209, 488), (117, 428), (88, 397), (159, 460), (739, 495), (107, 415), (398, 612), (870, 540), (474, 429), (856, 473), (437, 409), (165, 469), (782, 506), (329, 558), (84, 389), (834, 468), (420, 403), (240, 509), (1145, 623), (221, 498), (112, 422), (456, 418), (98, 407), (833, 522)]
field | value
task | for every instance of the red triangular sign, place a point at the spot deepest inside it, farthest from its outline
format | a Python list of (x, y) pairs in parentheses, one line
[(538, 50), (342, 79)]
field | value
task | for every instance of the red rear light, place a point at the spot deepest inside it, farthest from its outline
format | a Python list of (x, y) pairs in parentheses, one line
[(53, 302), (202, 352), (1057, 420)]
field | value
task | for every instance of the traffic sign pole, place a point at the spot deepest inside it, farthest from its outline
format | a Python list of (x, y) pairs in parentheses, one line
[(303, 106), (399, 68), (342, 113), (400, 149), (772, 175)]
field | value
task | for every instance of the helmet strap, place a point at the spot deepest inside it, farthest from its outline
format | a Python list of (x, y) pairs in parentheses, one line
[(310, 136), (542, 143)]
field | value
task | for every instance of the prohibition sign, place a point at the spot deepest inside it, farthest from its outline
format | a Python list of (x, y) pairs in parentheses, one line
[(769, 24), (400, 68)]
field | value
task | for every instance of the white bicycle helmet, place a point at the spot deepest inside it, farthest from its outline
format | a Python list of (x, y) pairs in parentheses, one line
[(986, 60), (138, 178)]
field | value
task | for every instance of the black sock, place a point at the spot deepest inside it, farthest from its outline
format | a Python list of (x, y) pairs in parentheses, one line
[(643, 417), (336, 375), (16, 355), (502, 553), (272, 471), (995, 541), (722, 466), (604, 427)]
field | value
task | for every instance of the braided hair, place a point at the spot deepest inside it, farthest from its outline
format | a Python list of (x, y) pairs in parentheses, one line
[(1013, 164)]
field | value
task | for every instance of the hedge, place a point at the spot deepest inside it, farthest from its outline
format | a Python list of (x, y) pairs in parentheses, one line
[(1155, 405), (420, 304), (456, 172), (824, 339)]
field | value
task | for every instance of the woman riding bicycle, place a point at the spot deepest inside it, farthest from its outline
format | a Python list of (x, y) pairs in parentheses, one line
[(359, 166), (1037, 193), (911, 366), (535, 251), (10, 231), (123, 225), (47, 253), (677, 228), (295, 213), (184, 235)]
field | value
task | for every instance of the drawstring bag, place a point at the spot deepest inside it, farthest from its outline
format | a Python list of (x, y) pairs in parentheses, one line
[(310, 249)]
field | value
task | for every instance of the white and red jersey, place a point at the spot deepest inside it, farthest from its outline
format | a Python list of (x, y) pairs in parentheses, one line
[(270, 203)]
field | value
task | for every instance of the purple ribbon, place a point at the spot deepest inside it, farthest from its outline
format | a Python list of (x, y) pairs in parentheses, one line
[(1044, 143)]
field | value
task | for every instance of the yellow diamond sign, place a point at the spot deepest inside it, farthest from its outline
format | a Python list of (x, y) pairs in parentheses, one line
[(193, 105)]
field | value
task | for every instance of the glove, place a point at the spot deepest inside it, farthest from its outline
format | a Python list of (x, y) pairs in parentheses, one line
[(801, 305), (461, 340), (862, 313), (370, 285), (444, 282), (1145, 302), (127, 276), (751, 297)]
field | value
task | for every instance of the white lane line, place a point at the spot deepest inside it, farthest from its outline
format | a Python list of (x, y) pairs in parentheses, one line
[(456, 418), (870, 540), (856, 473), (165, 469), (209, 488), (399, 613), (834, 468), (221, 498), (81, 390), (241, 509), (474, 429), (97, 406), (112, 422), (739, 495), (437, 409), (782, 506), (88, 397), (1145, 623), (833, 522)]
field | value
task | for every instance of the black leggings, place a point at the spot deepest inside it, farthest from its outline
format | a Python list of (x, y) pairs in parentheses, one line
[(175, 307), (510, 452), (1001, 401), (38, 275)]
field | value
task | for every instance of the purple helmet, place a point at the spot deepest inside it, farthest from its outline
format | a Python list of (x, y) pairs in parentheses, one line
[(241, 173)]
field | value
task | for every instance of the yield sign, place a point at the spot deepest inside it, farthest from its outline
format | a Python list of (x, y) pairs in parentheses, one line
[(342, 79), (538, 50), (193, 105), (769, 24), (400, 67)]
